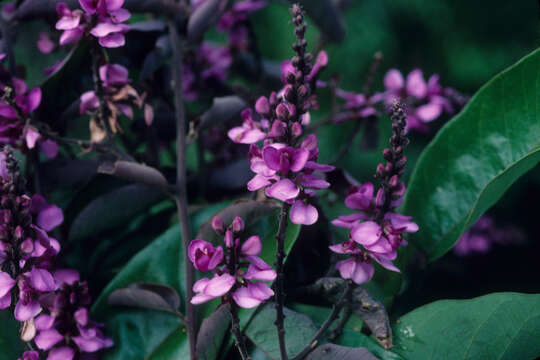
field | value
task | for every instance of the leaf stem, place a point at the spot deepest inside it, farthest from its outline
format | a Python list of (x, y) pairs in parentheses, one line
[(331, 318), (181, 195), (279, 286)]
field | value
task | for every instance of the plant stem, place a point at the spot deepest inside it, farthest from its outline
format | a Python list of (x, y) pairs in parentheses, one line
[(331, 318), (280, 293), (239, 338), (181, 195)]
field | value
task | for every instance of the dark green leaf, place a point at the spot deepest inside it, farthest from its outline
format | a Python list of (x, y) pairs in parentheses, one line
[(299, 330), (113, 209), (147, 296), (476, 157), (213, 330), (141, 333), (496, 326), (11, 346), (332, 351)]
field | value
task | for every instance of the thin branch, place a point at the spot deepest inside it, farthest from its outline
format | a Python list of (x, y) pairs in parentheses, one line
[(331, 318), (8, 45), (279, 286), (181, 196)]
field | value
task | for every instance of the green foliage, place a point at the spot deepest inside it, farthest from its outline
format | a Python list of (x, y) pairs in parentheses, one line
[(476, 157), (496, 326)]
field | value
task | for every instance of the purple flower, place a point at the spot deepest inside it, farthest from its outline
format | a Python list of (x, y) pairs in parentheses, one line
[(47, 216), (425, 101), (249, 132), (30, 355), (233, 22), (204, 256), (241, 285), (101, 19)]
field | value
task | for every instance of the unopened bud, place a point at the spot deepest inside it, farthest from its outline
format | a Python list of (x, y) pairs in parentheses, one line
[(296, 129), (228, 239), (238, 224), (217, 225)]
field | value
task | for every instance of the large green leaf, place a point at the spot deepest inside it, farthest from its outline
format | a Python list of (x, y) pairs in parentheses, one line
[(141, 334), (11, 346), (496, 326), (476, 157)]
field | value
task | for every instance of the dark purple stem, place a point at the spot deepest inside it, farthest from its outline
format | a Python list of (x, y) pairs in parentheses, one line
[(181, 194)]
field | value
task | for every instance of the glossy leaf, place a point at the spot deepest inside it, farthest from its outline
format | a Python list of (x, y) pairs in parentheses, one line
[(476, 157), (496, 326)]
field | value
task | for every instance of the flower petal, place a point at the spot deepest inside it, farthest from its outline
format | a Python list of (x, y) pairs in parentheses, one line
[(283, 190), (304, 214)]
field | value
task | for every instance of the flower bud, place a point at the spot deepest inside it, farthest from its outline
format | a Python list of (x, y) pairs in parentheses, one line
[(217, 225), (393, 181), (262, 106), (387, 154), (379, 199), (228, 239), (282, 112), (238, 224), (296, 129)]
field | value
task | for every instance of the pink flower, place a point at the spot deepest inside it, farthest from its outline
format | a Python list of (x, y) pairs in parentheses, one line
[(355, 269), (208, 289), (248, 133), (47, 216)]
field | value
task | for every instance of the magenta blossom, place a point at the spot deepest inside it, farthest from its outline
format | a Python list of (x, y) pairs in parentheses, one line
[(101, 18), (245, 287), (424, 101), (233, 22), (376, 230)]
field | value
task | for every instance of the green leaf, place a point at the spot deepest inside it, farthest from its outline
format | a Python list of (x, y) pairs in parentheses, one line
[(496, 326), (351, 335), (142, 334), (476, 157), (11, 346), (299, 330)]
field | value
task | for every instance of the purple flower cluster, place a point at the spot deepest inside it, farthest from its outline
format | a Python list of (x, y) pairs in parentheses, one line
[(17, 102), (27, 277), (231, 280), (424, 101), (101, 18), (233, 22), (65, 328), (376, 230), (483, 235), (286, 167), (212, 62)]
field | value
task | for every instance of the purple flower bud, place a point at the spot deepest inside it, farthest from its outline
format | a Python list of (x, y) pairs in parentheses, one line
[(204, 256), (229, 239), (218, 226), (296, 129), (282, 112), (380, 198), (262, 106), (238, 224)]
